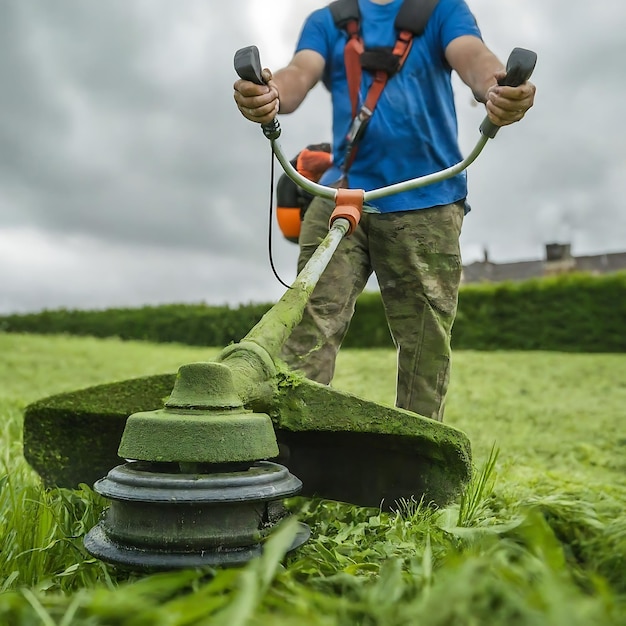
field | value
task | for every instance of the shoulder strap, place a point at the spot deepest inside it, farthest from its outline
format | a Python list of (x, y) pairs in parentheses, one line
[(411, 21), (343, 11), (412, 16), (346, 16)]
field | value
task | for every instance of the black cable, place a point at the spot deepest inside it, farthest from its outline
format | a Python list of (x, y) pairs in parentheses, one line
[(271, 222)]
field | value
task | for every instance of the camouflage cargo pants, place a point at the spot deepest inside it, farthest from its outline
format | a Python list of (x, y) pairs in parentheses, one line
[(416, 258)]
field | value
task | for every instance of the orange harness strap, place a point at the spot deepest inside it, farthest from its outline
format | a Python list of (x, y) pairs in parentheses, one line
[(352, 51), (352, 60), (401, 50)]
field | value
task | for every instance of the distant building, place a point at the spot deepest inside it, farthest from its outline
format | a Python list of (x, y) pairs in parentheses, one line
[(558, 260)]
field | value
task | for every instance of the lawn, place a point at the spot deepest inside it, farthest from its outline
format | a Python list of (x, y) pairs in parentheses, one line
[(539, 537)]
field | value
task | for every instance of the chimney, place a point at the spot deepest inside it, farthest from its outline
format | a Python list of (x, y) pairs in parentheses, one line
[(559, 259), (558, 252)]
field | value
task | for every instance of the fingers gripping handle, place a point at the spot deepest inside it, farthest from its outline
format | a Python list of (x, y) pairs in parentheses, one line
[(519, 69), (248, 67)]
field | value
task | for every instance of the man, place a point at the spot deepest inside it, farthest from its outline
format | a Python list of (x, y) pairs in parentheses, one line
[(412, 244)]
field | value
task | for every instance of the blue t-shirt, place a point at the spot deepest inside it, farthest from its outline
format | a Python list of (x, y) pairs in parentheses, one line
[(414, 128)]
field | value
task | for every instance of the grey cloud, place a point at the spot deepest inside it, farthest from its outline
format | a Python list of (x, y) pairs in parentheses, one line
[(118, 129)]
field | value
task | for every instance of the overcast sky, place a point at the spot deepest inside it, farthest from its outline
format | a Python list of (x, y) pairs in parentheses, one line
[(128, 177)]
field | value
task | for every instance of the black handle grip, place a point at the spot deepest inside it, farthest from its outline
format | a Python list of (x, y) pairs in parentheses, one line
[(519, 69), (248, 64)]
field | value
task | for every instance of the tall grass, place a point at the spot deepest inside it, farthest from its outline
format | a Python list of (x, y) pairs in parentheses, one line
[(537, 538)]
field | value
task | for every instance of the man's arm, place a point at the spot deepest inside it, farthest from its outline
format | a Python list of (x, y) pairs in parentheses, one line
[(283, 92), (480, 70)]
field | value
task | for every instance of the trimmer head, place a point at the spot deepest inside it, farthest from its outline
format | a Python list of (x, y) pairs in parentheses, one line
[(162, 518), (198, 491)]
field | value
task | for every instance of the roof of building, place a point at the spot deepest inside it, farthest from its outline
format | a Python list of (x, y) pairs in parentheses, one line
[(487, 271)]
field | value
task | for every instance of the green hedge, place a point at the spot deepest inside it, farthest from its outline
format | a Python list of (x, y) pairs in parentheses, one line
[(571, 312), (192, 324)]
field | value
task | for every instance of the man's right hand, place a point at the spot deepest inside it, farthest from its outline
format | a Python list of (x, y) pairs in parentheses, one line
[(257, 103)]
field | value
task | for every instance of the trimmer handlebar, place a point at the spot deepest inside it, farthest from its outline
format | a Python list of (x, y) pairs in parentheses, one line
[(520, 66)]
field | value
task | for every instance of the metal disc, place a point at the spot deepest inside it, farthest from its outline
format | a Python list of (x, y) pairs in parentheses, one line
[(167, 520)]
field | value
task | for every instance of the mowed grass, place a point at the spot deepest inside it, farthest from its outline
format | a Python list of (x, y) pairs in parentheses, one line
[(538, 538), (549, 413)]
